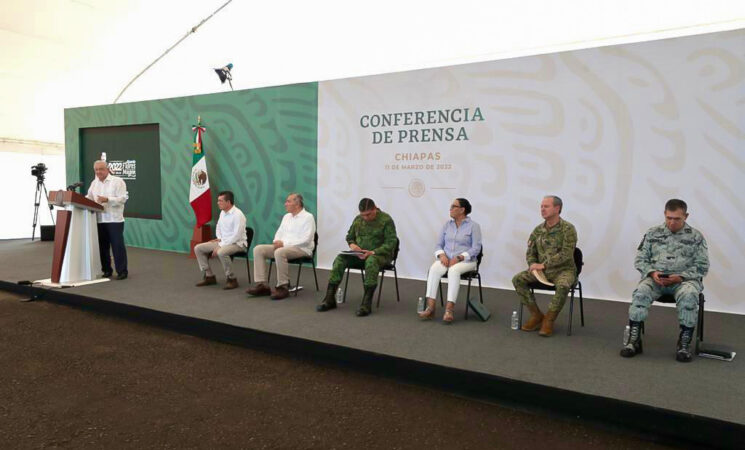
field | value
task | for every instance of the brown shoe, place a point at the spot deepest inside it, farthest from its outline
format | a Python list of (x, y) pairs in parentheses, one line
[(280, 293), (259, 290), (536, 318), (547, 327), (232, 283), (207, 281)]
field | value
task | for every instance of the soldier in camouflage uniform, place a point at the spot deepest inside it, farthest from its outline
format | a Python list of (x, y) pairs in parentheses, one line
[(373, 233), (551, 251), (672, 259)]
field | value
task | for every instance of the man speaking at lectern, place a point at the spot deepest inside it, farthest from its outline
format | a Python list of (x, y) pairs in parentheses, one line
[(111, 193)]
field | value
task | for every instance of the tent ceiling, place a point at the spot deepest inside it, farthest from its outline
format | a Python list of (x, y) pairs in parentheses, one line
[(65, 53)]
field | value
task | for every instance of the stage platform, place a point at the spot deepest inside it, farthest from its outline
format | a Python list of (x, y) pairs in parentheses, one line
[(580, 375)]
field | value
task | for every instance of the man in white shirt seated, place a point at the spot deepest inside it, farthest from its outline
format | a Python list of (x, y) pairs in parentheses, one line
[(111, 192), (293, 239), (231, 238)]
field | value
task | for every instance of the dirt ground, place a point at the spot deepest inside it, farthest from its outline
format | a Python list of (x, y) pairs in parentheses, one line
[(76, 379)]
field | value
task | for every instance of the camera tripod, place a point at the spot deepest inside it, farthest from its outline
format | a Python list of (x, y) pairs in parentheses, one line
[(41, 189)]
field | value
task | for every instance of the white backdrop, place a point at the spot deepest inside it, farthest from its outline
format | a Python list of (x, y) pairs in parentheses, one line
[(614, 131)]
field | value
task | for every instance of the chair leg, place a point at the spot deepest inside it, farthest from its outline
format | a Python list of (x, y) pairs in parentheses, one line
[(571, 311), (395, 277), (248, 270), (468, 295), (520, 316), (481, 294), (442, 303), (297, 283), (315, 277), (701, 301), (425, 285), (269, 275), (380, 287), (346, 285), (581, 304)]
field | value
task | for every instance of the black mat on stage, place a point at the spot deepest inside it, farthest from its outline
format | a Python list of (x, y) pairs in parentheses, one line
[(579, 375)]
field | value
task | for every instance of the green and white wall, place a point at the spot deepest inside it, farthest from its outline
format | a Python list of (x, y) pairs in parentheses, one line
[(260, 143)]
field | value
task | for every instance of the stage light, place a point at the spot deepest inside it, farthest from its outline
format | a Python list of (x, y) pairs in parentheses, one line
[(224, 74)]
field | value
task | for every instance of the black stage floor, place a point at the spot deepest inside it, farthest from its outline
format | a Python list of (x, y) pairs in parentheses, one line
[(581, 375)]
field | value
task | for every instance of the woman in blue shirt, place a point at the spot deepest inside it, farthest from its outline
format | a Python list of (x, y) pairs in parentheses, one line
[(455, 253)]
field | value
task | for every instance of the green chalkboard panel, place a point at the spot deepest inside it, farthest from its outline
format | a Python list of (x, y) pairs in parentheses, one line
[(133, 154)]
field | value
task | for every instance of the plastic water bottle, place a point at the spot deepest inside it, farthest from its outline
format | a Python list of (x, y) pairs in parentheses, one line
[(339, 296), (420, 304), (626, 334), (513, 323)]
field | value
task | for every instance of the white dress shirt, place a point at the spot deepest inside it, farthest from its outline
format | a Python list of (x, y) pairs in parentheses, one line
[(297, 231), (115, 190), (231, 228)]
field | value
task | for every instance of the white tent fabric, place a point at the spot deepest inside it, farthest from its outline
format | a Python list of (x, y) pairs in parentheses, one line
[(66, 53)]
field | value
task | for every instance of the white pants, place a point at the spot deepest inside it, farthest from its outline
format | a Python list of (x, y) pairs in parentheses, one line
[(204, 250), (454, 272), (281, 257)]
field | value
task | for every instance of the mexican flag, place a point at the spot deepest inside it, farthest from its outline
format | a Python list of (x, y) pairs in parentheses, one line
[(199, 192)]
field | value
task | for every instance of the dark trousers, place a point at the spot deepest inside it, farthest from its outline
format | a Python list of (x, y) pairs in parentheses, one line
[(112, 235)]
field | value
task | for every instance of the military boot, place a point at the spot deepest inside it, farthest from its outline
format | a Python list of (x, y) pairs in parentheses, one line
[(634, 344), (366, 306), (684, 344), (547, 326), (536, 318), (329, 301)]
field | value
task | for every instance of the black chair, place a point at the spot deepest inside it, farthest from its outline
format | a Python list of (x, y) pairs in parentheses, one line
[(389, 266), (244, 254), (577, 286), (668, 298), (300, 261), (470, 275)]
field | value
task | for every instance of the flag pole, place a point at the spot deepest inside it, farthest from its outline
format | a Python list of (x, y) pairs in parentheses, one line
[(200, 197)]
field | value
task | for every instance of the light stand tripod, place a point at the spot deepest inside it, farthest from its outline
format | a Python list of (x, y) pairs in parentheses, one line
[(41, 189)]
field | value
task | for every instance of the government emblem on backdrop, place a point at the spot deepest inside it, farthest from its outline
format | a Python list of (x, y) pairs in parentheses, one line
[(198, 178)]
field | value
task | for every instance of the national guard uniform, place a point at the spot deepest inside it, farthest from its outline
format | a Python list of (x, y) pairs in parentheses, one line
[(682, 253), (554, 248), (377, 235)]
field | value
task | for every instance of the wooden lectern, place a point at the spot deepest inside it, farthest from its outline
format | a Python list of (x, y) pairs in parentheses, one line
[(75, 238)]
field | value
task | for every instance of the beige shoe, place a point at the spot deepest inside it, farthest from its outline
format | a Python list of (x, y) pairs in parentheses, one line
[(449, 316), (429, 312)]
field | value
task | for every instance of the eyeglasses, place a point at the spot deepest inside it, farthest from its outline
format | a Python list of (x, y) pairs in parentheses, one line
[(455, 206)]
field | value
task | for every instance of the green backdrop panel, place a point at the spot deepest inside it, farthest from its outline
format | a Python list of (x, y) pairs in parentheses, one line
[(133, 154), (259, 143)]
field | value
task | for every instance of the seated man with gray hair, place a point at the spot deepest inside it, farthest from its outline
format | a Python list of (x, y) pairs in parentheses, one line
[(293, 239), (551, 252)]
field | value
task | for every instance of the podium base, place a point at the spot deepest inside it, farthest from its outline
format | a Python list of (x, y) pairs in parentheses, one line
[(47, 282), (200, 234)]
